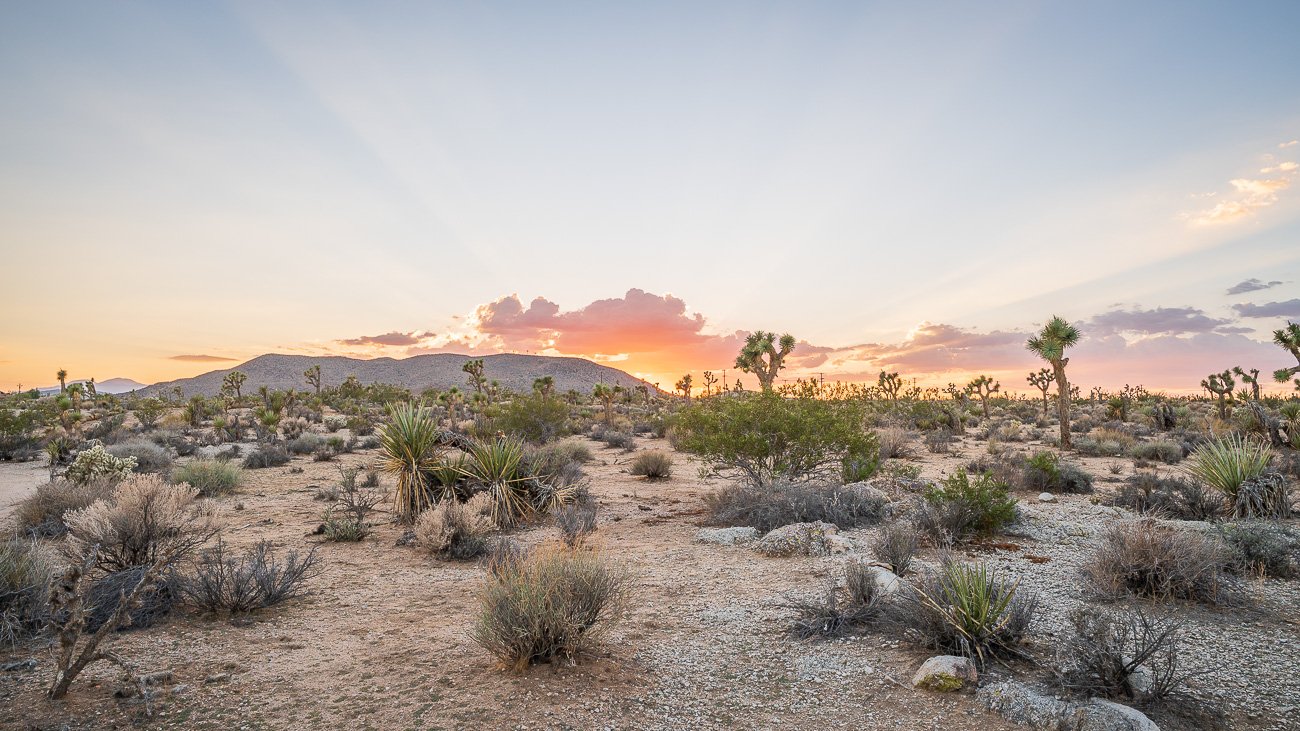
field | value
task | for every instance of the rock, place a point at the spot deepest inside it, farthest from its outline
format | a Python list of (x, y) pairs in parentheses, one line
[(727, 536), (217, 678), (797, 539), (1103, 715), (945, 673), (886, 581), (839, 544), (1019, 703), (28, 664), (1046, 497)]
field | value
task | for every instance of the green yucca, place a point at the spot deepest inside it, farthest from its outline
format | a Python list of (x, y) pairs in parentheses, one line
[(973, 610), (498, 465), (1225, 462), (409, 442)]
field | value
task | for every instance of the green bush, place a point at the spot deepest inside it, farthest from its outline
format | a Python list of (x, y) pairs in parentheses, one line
[(209, 476), (764, 437), (1161, 450), (1046, 471), (985, 504), (537, 419)]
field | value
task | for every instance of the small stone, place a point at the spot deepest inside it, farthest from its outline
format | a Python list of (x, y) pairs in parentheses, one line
[(1046, 497), (945, 673)]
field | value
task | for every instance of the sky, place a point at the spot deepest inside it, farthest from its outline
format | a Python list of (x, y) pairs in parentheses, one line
[(902, 186)]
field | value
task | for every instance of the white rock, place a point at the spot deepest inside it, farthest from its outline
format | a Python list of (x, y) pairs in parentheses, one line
[(1046, 497), (945, 673)]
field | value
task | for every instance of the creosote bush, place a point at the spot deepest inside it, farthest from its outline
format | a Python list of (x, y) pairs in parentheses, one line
[(210, 477), (1047, 472), (766, 508), (652, 465), (1149, 560), (240, 582), (548, 605), (959, 507)]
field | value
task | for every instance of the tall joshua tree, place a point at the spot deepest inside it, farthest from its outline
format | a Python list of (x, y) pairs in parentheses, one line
[(1288, 338), (1050, 344), (606, 396), (1251, 377), (313, 377), (757, 346), (62, 375), (984, 387), (475, 370), (1221, 385), (684, 385), (1042, 379), (234, 382)]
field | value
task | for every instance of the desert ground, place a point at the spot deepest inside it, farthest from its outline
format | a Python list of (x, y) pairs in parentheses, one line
[(381, 641)]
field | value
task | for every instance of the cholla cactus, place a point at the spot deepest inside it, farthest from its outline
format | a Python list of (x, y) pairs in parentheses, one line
[(1221, 385), (97, 464)]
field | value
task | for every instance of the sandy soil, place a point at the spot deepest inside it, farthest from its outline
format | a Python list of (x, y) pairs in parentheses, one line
[(17, 481), (381, 643)]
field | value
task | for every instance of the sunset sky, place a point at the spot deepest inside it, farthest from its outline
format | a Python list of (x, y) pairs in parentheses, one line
[(909, 186)]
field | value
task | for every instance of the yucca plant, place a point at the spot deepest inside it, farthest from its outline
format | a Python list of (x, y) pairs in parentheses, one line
[(967, 609), (1226, 462), (498, 466), (409, 442)]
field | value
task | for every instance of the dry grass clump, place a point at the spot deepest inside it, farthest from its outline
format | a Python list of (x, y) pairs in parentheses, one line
[(1153, 561), (41, 513), (242, 582), (210, 477), (144, 521), (765, 508), (548, 606), (24, 585), (894, 442), (453, 529), (652, 465), (839, 610), (896, 546)]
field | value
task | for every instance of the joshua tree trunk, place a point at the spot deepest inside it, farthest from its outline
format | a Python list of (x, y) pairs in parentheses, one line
[(1063, 403)]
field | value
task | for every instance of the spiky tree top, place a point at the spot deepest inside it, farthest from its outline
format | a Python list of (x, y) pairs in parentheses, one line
[(760, 345), (1050, 343), (1288, 338), (1219, 384), (1042, 379)]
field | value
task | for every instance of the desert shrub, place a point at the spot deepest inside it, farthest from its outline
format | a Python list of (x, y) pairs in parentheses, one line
[(967, 507), (1169, 497), (838, 610), (145, 520), (105, 594), (576, 520), (765, 437), (1227, 462), (652, 465), (1160, 450), (895, 546), (347, 519), (615, 439), (149, 457), (536, 418), (41, 513), (293, 429), (97, 464), (766, 508), (1150, 560), (894, 442), (24, 585), (939, 441), (255, 578), (334, 423), (360, 426), (503, 553), (1128, 655), (210, 477), (1264, 496), (305, 443), (1264, 548), (548, 605), (453, 529), (964, 609), (267, 455), (1046, 471)]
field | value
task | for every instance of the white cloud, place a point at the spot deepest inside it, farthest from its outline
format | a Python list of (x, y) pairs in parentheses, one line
[(1292, 143), (1282, 167)]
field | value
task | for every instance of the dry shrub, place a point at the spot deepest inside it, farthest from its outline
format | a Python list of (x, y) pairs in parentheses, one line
[(894, 442), (1264, 548), (153, 604), (454, 529), (652, 465), (896, 545), (577, 520), (41, 513), (1169, 497), (1129, 655), (24, 585), (548, 606), (779, 504), (209, 476), (1154, 561), (267, 455), (839, 610), (149, 457), (254, 579), (145, 520)]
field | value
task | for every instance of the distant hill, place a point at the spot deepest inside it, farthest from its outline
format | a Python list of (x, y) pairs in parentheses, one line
[(439, 370), (112, 385)]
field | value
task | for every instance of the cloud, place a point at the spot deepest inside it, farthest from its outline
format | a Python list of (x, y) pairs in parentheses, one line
[(1159, 321), (1289, 309), (1292, 143), (1250, 196), (200, 358), (1251, 285), (1282, 167), (390, 339)]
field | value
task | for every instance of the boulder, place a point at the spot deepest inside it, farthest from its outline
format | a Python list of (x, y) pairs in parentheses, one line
[(1046, 497), (839, 544), (945, 673), (1021, 704), (797, 539), (1103, 715), (727, 536)]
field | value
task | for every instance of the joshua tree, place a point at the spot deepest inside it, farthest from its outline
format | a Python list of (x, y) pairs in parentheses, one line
[(91, 390), (544, 386), (62, 375), (234, 382), (606, 396), (1050, 344), (984, 387), (761, 344), (313, 377), (890, 384), (1288, 338), (1221, 385), (709, 380), (475, 370), (644, 390), (1042, 379), (684, 385), (452, 398), (1250, 377)]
